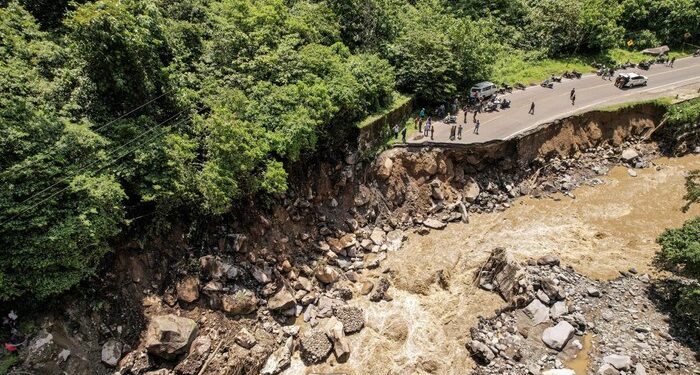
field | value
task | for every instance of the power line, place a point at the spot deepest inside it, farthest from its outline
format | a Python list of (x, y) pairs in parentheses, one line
[(96, 171), (97, 161), (31, 162)]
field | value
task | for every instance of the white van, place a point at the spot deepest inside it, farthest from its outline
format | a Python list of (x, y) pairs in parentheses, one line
[(483, 90)]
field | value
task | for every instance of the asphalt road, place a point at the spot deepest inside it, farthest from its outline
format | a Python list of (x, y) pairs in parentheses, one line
[(550, 104)]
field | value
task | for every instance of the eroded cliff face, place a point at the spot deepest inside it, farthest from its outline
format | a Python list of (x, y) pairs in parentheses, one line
[(266, 280)]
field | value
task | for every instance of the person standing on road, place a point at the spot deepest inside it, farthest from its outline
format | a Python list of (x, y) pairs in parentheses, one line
[(476, 127), (466, 110), (573, 99), (459, 131), (673, 60), (403, 135), (396, 131), (432, 131), (532, 108), (421, 114), (573, 93), (453, 132)]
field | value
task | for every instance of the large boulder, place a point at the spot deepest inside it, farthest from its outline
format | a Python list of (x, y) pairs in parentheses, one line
[(558, 336), (384, 167), (111, 352), (241, 302), (188, 289), (503, 273), (168, 336)]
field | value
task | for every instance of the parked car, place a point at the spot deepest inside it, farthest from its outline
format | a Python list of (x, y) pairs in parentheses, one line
[(630, 80), (483, 90)]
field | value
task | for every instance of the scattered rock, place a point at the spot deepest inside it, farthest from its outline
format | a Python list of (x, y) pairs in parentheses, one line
[(631, 172), (366, 287), (196, 356), (593, 292), (280, 359), (241, 302), (537, 311), (434, 224), (352, 317), (607, 369), (170, 335), (620, 362), (245, 339), (111, 352), (480, 352), (327, 274), (380, 290), (315, 346), (629, 155), (188, 289), (548, 260), (282, 300)]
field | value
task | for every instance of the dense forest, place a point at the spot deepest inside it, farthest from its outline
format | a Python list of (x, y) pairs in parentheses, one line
[(116, 110)]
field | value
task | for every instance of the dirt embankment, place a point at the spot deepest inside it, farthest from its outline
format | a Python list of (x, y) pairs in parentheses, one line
[(257, 272)]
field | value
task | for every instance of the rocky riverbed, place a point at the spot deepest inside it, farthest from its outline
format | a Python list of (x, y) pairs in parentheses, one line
[(382, 281)]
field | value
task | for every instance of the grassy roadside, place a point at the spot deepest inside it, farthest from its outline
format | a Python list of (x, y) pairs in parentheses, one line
[(666, 101), (516, 66)]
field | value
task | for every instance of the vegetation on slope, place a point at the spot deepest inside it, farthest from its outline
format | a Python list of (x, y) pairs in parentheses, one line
[(116, 109)]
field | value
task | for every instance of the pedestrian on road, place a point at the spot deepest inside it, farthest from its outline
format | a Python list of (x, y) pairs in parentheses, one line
[(573, 99), (420, 125), (459, 131), (466, 110), (453, 132), (532, 108), (673, 60), (432, 131), (476, 127), (475, 116), (403, 135), (396, 131), (421, 114), (573, 93)]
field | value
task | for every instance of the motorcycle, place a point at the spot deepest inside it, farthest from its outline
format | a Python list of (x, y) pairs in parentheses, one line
[(450, 119), (644, 65), (505, 88), (547, 83), (505, 103), (519, 86), (555, 79), (697, 53), (601, 71)]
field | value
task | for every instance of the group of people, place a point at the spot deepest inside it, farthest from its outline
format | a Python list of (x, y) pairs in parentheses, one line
[(424, 123)]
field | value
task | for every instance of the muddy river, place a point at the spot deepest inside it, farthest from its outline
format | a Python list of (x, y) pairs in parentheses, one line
[(604, 229)]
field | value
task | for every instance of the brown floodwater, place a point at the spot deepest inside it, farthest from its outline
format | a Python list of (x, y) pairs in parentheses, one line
[(605, 229)]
